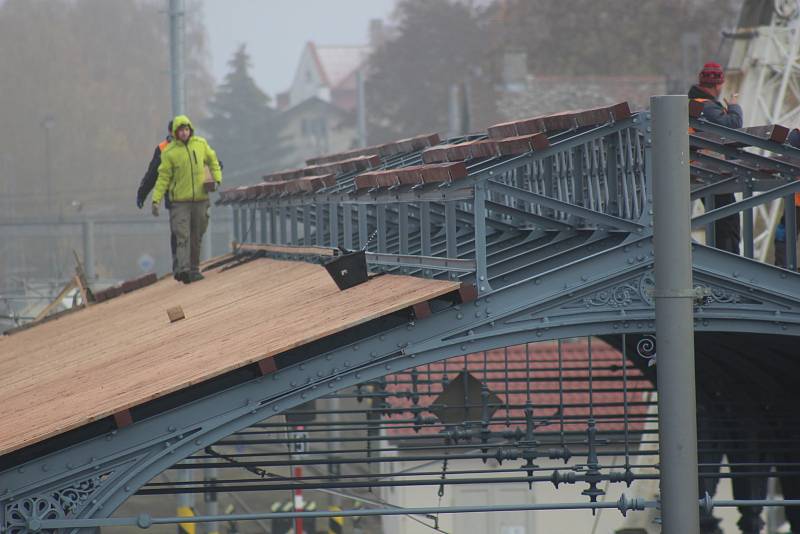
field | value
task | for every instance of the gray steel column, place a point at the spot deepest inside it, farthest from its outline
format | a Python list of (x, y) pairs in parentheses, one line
[(236, 229), (747, 226), (479, 207), (425, 227), (363, 228), (674, 318), (88, 250), (347, 221), (176, 38), (262, 234)]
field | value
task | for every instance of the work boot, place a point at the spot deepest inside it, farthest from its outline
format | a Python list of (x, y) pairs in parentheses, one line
[(182, 277), (195, 276)]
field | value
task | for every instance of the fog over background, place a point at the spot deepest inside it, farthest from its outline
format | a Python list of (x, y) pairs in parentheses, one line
[(275, 32), (85, 95)]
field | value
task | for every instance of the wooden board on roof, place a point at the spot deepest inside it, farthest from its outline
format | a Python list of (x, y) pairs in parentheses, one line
[(121, 353)]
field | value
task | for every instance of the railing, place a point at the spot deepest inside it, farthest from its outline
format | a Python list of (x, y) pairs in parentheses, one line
[(452, 210), (467, 208)]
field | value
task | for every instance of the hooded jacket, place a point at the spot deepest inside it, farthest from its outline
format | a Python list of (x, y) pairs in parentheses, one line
[(715, 112), (181, 171)]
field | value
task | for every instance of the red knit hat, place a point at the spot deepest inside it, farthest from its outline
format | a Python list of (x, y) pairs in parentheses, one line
[(712, 74)]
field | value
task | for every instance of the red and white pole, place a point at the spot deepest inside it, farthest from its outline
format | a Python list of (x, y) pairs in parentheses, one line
[(298, 493)]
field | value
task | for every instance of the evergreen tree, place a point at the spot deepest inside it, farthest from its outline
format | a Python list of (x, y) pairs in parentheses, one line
[(244, 129)]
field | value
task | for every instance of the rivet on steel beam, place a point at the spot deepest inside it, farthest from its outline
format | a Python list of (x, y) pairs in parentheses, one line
[(328, 357), (45, 468), (275, 408), (171, 428), (459, 316), (70, 466), (358, 375), (356, 347), (319, 374), (477, 314), (302, 366), (293, 384), (388, 366), (463, 347), (127, 488), (346, 363)]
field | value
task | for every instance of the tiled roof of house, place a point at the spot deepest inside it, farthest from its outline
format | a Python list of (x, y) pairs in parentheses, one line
[(516, 377)]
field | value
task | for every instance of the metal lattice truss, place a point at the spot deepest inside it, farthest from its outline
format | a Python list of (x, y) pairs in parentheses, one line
[(553, 229), (764, 70)]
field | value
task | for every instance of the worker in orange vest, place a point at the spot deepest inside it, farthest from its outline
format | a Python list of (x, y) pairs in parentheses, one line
[(149, 181), (727, 231)]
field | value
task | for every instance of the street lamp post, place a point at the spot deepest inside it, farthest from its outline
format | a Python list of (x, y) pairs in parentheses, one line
[(48, 123)]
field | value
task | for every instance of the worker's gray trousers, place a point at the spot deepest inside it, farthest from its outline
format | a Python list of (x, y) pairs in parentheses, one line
[(188, 221)]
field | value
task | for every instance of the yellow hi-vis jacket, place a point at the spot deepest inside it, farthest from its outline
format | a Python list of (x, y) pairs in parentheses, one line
[(182, 166)]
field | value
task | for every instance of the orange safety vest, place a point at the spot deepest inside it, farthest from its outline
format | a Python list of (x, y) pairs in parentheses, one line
[(162, 145)]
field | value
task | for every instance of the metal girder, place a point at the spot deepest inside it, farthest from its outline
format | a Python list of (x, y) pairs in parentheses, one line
[(603, 293), (579, 211), (747, 203), (540, 221), (421, 262), (732, 134), (726, 185)]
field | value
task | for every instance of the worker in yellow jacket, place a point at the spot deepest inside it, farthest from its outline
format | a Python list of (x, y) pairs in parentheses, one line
[(182, 173)]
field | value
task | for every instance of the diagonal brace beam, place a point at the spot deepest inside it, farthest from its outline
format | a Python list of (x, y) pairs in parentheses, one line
[(747, 203), (559, 205)]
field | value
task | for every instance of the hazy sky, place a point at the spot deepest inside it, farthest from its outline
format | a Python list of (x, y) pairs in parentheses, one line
[(275, 32)]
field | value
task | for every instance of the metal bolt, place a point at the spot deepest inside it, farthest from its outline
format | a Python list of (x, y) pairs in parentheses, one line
[(275, 408), (171, 428)]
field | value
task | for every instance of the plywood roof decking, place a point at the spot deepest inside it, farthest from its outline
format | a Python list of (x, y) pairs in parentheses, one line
[(123, 352)]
